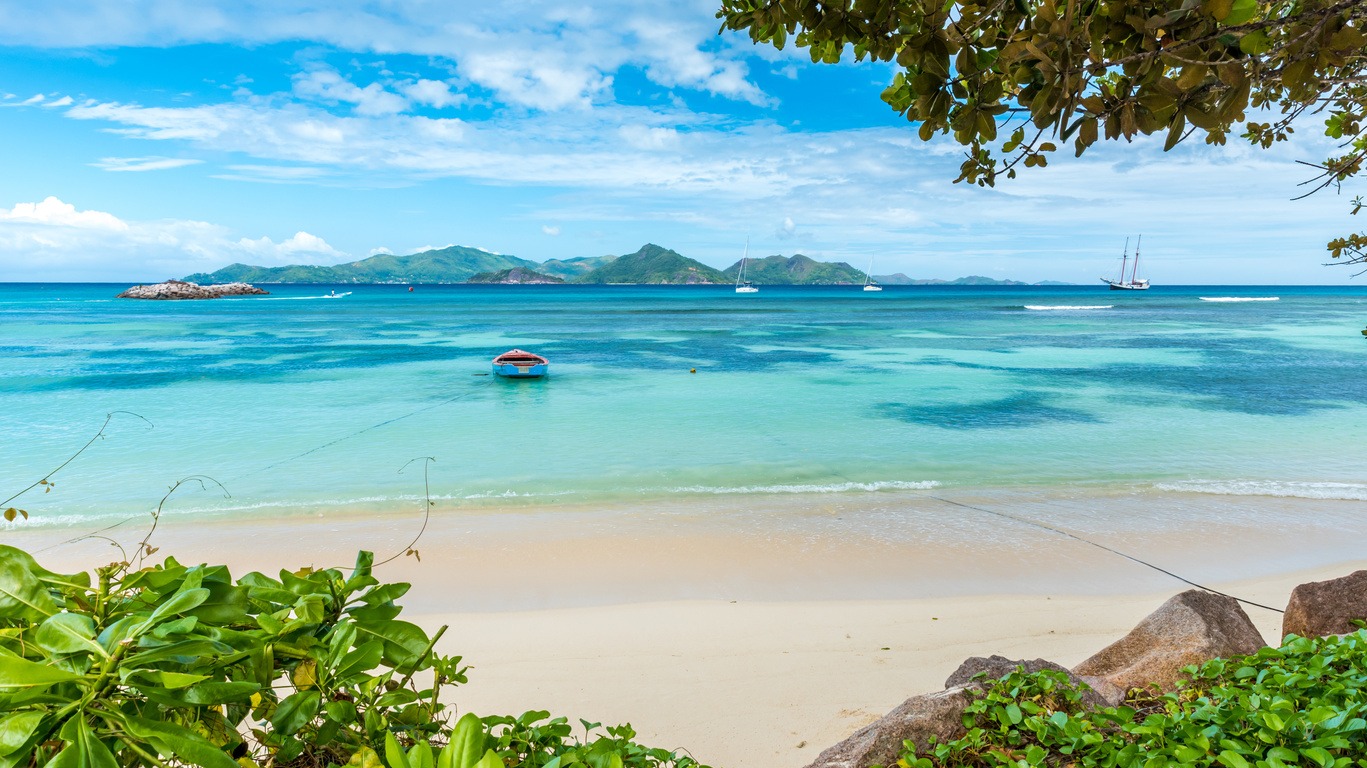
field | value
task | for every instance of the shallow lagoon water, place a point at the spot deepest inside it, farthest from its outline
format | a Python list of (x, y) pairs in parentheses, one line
[(305, 405)]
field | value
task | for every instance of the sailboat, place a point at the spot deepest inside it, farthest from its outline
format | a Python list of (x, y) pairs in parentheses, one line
[(869, 284), (743, 285), (1134, 283)]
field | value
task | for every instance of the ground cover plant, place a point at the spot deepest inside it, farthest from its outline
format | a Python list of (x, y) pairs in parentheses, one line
[(174, 665), (1303, 704)]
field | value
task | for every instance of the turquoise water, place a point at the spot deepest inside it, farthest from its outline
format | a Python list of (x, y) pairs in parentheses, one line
[(300, 404)]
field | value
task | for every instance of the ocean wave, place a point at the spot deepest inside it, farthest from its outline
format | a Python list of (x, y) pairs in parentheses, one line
[(1240, 298), (1057, 307), (1284, 489), (884, 485)]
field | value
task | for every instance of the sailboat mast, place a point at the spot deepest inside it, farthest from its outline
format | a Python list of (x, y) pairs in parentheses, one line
[(1135, 274), (740, 276), (1124, 260), (868, 276)]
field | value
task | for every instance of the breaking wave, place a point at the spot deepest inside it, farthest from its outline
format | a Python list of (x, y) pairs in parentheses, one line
[(884, 485), (1059, 307), (1240, 298), (1292, 490)]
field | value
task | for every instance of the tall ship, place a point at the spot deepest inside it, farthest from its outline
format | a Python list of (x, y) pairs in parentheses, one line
[(1134, 283)]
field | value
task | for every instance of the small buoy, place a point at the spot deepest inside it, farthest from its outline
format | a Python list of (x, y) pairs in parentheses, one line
[(410, 289), (695, 370)]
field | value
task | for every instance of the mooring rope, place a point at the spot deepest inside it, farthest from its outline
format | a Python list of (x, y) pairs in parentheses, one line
[(1052, 529), (1074, 536), (371, 428)]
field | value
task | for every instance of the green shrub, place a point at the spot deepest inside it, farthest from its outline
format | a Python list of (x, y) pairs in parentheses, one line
[(175, 665), (1302, 704)]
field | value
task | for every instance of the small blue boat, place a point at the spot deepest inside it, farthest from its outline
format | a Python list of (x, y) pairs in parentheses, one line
[(517, 364)]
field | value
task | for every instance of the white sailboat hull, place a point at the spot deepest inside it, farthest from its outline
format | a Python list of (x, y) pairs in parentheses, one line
[(873, 287), (746, 289), (1139, 285)]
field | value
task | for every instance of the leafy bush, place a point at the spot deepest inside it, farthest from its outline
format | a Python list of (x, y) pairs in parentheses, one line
[(175, 665), (1302, 704)]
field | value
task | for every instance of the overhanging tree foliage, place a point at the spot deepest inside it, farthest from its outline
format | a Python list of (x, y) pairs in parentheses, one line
[(1011, 79)]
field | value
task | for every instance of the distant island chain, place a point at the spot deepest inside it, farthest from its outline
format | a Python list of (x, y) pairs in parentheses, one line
[(650, 265)]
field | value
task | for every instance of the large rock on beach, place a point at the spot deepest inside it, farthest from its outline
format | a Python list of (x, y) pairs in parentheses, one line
[(1190, 628), (918, 718), (179, 289), (1101, 694), (1326, 607), (940, 714)]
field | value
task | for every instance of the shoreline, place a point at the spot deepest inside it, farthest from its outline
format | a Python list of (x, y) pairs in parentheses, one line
[(888, 545)]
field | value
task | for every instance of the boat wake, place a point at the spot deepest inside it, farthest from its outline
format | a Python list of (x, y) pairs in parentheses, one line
[(304, 298), (1287, 489), (1240, 298), (1065, 307)]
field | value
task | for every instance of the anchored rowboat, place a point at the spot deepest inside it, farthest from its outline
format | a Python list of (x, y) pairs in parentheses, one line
[(516, 364)]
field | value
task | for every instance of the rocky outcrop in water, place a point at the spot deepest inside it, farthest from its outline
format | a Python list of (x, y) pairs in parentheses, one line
[(1330, 607), (179, 289)]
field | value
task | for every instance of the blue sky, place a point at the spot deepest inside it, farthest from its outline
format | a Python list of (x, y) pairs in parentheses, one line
[(147, 139)]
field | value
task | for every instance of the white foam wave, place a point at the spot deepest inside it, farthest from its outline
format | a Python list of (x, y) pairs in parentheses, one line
[(1287, 489), (401, 502), (886, 485), (1059, 307), (1240, 298)]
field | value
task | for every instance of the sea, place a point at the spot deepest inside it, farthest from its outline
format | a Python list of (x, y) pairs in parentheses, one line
[(1085, 409)]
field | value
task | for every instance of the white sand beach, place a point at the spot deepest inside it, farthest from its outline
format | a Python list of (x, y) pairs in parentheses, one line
[(751, 649)]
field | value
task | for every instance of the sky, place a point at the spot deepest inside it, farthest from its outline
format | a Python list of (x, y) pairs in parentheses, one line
[(147, 139)]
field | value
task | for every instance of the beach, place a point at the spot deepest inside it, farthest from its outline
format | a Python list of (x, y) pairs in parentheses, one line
[(748, 650)]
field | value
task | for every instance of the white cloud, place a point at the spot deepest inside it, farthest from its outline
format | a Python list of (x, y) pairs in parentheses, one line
[(280, 174), (143, 163), (62, 102), (647, 137), (268, 252), (552, 231), (327, 85), (379, 251), (676, 60), (52, 212), (53, 240), (433, 93)]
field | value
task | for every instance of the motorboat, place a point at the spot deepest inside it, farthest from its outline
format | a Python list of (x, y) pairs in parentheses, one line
[(519, 364)]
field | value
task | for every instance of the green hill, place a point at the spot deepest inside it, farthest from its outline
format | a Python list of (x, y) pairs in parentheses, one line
[(796, 270), (569, 269), (454, 264), (654, 265), (515, 276)]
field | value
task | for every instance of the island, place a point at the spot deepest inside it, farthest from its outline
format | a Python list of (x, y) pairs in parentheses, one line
[(651, 264), (180, 289)]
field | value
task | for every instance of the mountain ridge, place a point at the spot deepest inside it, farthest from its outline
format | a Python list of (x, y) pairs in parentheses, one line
[(651, 264)]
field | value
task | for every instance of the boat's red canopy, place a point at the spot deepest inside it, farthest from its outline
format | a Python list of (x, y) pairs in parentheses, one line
[(515, 356)]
